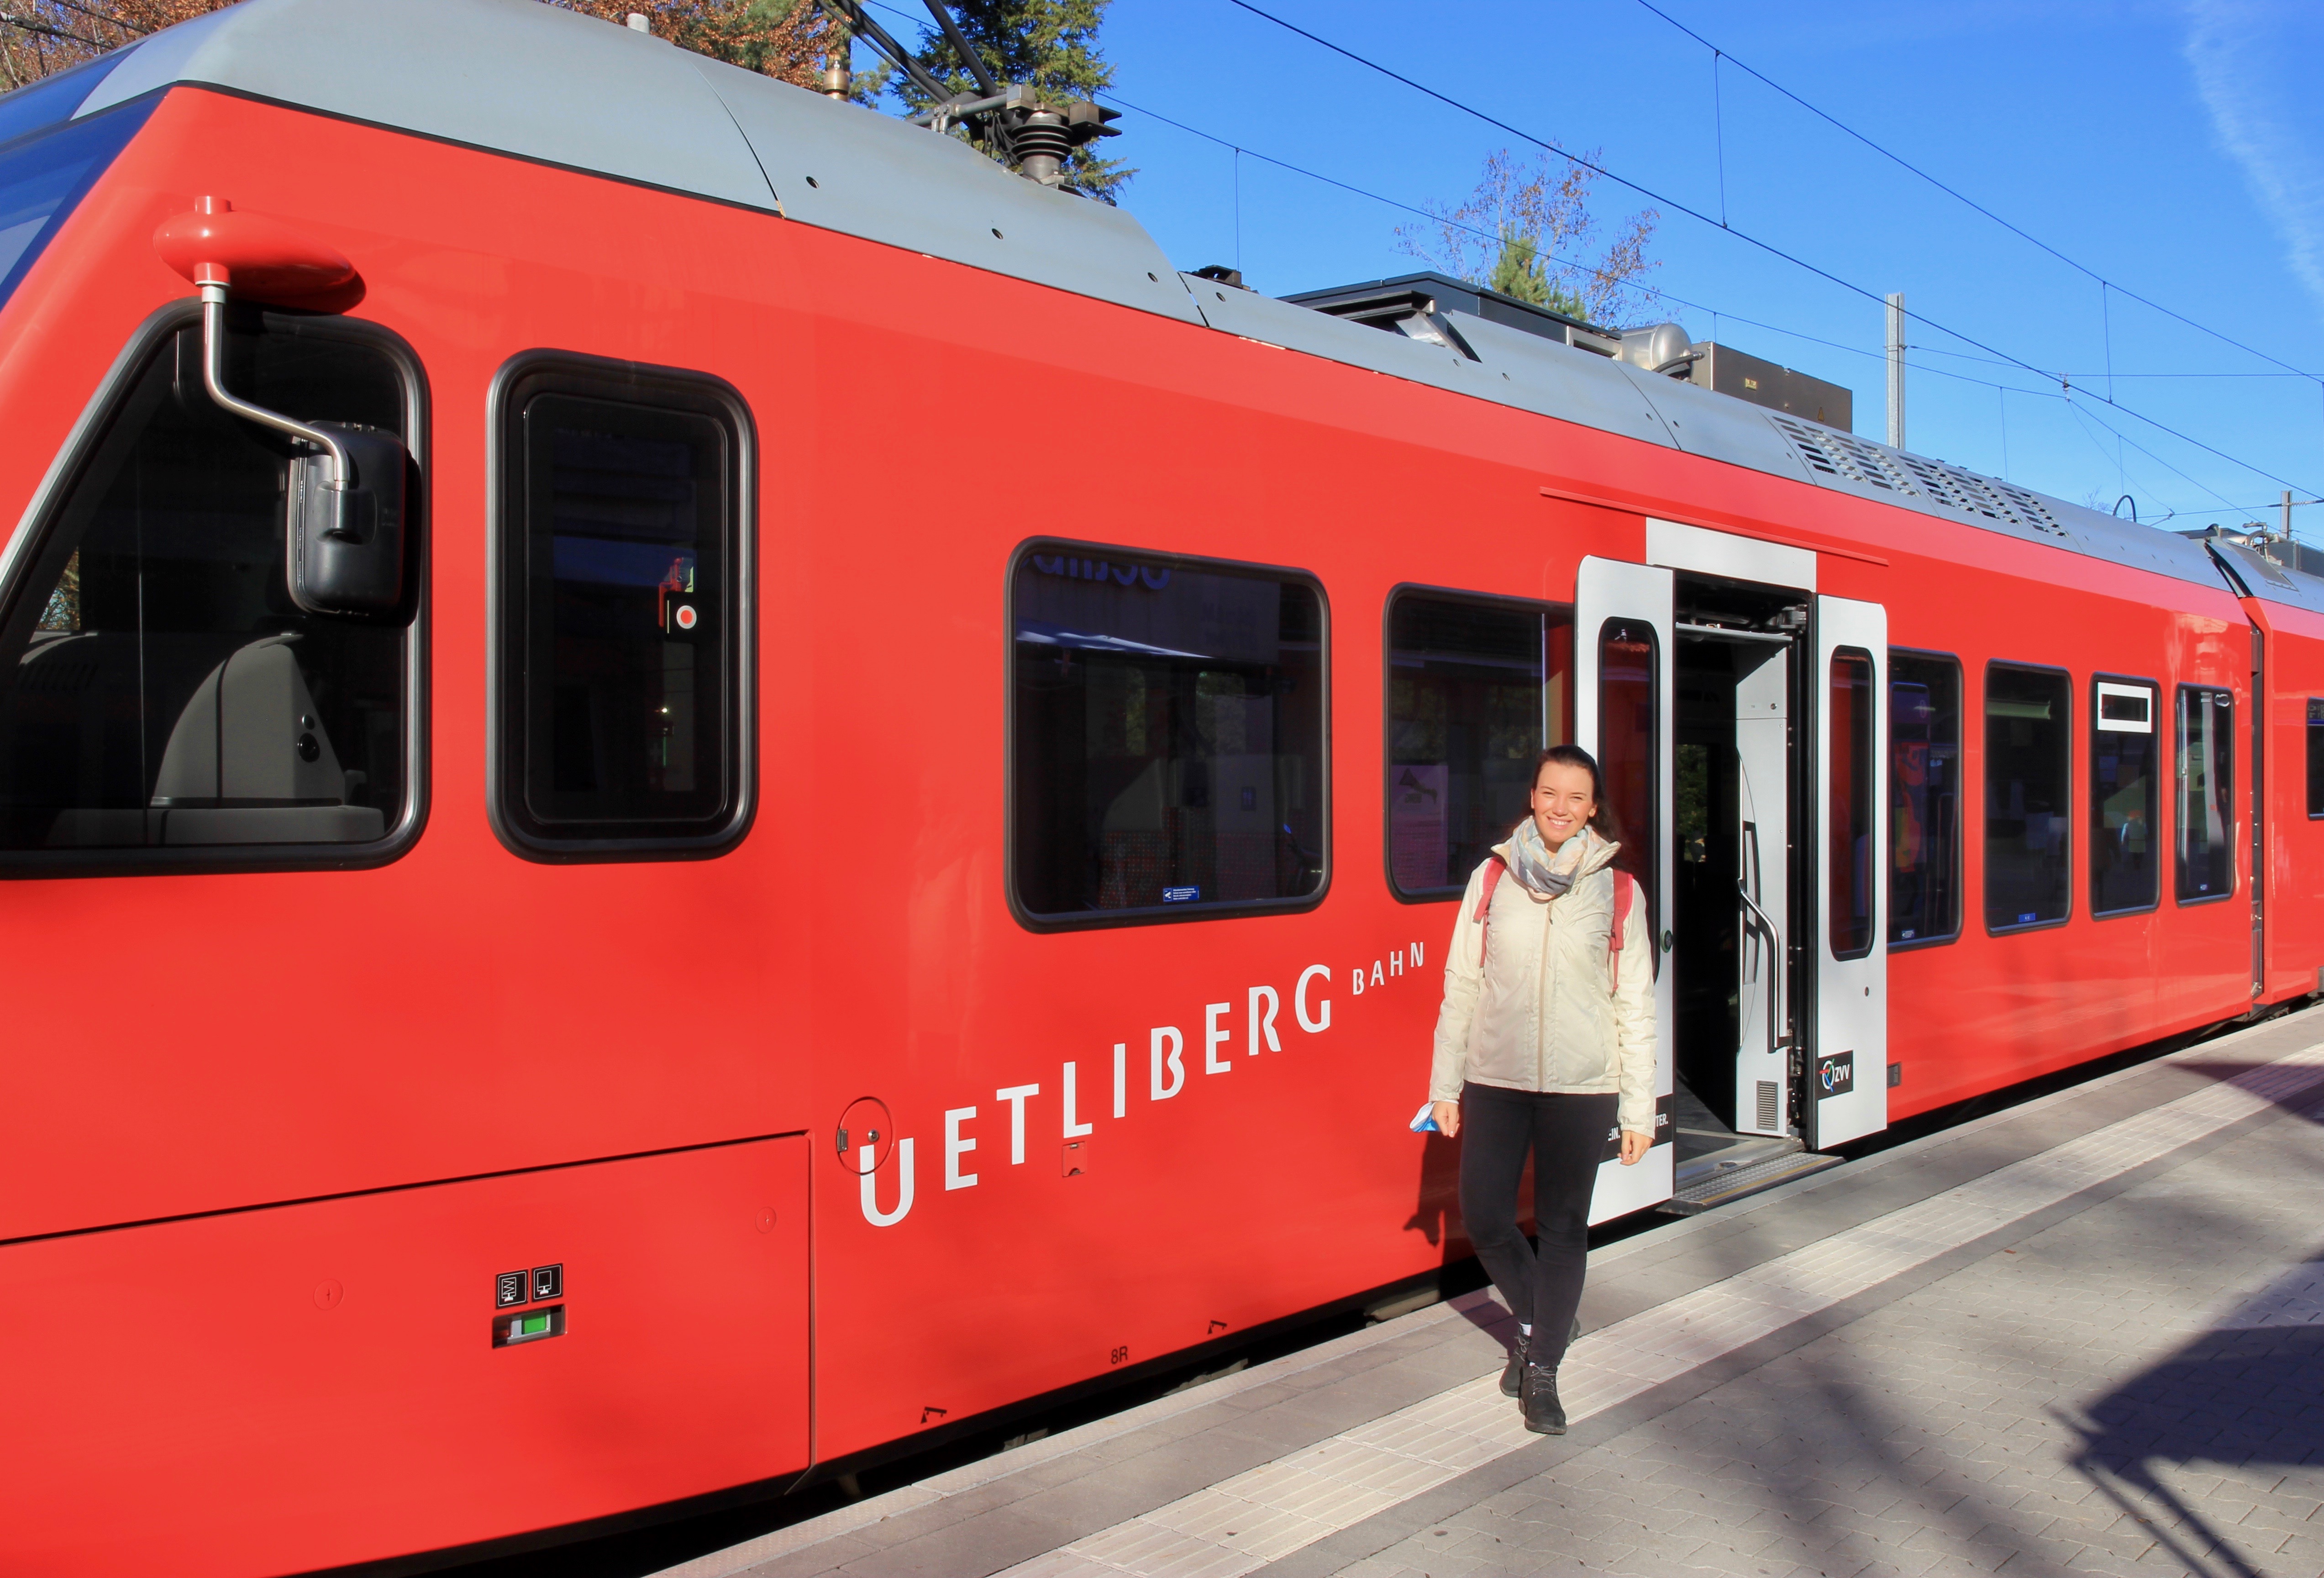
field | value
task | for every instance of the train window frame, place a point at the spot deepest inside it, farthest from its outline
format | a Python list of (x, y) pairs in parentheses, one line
[(1642, 857), (679, 389), (1549, 611), (1045, 922), (2102, 686), (1864, 772), (2314, 726), (1960, 873), (2233, 841), (1984, 809), (84, 443)]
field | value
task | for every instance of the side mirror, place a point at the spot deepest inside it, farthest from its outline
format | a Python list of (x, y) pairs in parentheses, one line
[(344, 537), (345, 520)]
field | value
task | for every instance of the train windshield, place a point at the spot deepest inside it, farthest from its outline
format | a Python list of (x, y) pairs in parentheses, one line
[(50, 166), (159, 688)]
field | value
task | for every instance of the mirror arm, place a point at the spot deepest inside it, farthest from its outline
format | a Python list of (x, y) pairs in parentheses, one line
[(214, 300)]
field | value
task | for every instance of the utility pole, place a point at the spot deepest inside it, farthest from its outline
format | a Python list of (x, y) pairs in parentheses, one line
[(1896, 371)]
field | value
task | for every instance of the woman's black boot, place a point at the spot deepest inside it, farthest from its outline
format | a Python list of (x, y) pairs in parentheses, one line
[(1513, 1376), (1543, 1416)]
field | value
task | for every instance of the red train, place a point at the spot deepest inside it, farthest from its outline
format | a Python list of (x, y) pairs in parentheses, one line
[(698, 787)]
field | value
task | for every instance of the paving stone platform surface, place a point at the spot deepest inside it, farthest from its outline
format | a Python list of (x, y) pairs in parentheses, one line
[(2084, 1335)]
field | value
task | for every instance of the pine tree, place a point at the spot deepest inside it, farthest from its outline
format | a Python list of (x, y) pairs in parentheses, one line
[(1050, 44)]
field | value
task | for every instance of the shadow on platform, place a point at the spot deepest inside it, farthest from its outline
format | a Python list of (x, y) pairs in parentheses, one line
[(2249, 1394)]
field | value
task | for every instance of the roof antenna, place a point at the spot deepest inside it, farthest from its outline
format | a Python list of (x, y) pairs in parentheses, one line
[(1035, 131)]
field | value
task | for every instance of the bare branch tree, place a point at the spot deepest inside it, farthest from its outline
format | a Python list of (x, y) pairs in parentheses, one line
[(1525, 231), (792, 40)]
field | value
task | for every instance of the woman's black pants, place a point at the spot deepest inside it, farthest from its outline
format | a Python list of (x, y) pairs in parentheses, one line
[(1566, 1135)]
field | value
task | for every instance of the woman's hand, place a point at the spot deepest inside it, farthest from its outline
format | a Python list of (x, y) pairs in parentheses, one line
[(1447, 1116), (1634, 1147)]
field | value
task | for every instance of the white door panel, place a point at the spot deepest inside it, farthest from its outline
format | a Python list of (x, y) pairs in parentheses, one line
[(1632, 603), (1847, 1093)]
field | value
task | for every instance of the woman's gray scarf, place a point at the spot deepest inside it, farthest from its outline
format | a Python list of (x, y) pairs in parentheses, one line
[(1541, 871)]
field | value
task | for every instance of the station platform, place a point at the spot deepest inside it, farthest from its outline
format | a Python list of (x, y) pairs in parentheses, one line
[(2082, 1335)]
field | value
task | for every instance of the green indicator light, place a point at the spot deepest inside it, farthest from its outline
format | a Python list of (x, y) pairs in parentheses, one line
[(533, 1325)]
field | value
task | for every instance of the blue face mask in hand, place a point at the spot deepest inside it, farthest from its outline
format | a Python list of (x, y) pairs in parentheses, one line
[(1425, 1120)]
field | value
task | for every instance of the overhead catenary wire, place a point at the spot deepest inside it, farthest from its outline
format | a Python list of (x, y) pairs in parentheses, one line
[(1242, 151), (2002, 390), (1769, 247), (2105, 283), (2064, 391), (2082, 413)]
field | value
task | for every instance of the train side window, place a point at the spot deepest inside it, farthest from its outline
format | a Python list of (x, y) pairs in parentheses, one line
[(1629, 701), (1848, 714), (2206, 866), (1476, 688), (2028, 794), (1925, 797), (164, 703), (2316, 756), (622, 647), (2125, 866), (1166, 737)]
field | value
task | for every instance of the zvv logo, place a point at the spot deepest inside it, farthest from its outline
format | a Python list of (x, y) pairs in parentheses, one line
[(1835, 1075)]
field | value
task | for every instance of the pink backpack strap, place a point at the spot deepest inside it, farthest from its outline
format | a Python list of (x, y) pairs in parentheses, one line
[(1494, 868), (1626, 894)]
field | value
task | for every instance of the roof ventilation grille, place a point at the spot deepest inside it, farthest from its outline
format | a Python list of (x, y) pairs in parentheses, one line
[(1803, 439), (1839, 454), (1873, 462), (2029, 509), (1938, 481)]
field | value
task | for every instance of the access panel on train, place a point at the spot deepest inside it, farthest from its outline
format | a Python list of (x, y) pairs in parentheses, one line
[(452, 1362)]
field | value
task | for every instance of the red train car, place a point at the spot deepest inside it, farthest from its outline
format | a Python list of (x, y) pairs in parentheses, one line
[(695, 787)]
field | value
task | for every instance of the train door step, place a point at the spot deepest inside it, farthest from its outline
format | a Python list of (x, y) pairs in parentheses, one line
[(1731, 1179)]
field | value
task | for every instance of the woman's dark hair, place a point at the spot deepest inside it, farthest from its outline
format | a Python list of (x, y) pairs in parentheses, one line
[(1601, 820)]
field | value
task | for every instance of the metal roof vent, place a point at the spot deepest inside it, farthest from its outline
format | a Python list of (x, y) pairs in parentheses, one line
[(1659, 348), (1414, 313), (1724, 370), (1837, 454), (1425, 306)]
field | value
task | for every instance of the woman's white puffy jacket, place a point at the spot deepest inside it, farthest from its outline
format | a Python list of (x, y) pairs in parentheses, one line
[(1542, 1011)]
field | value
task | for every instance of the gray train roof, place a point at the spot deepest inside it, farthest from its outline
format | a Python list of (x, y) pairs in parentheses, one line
[(541, 83), (2256, 575)]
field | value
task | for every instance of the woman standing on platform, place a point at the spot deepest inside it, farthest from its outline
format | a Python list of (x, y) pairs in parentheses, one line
[(1546, 1044)]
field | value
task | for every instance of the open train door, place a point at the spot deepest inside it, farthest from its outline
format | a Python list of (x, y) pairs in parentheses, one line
[(1622, 716), (1847, 1095)]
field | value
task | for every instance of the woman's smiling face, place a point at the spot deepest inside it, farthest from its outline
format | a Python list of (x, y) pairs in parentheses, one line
[(1563, 802)]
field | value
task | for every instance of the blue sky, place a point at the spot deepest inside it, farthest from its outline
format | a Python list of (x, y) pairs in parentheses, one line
[(2169, 148)]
